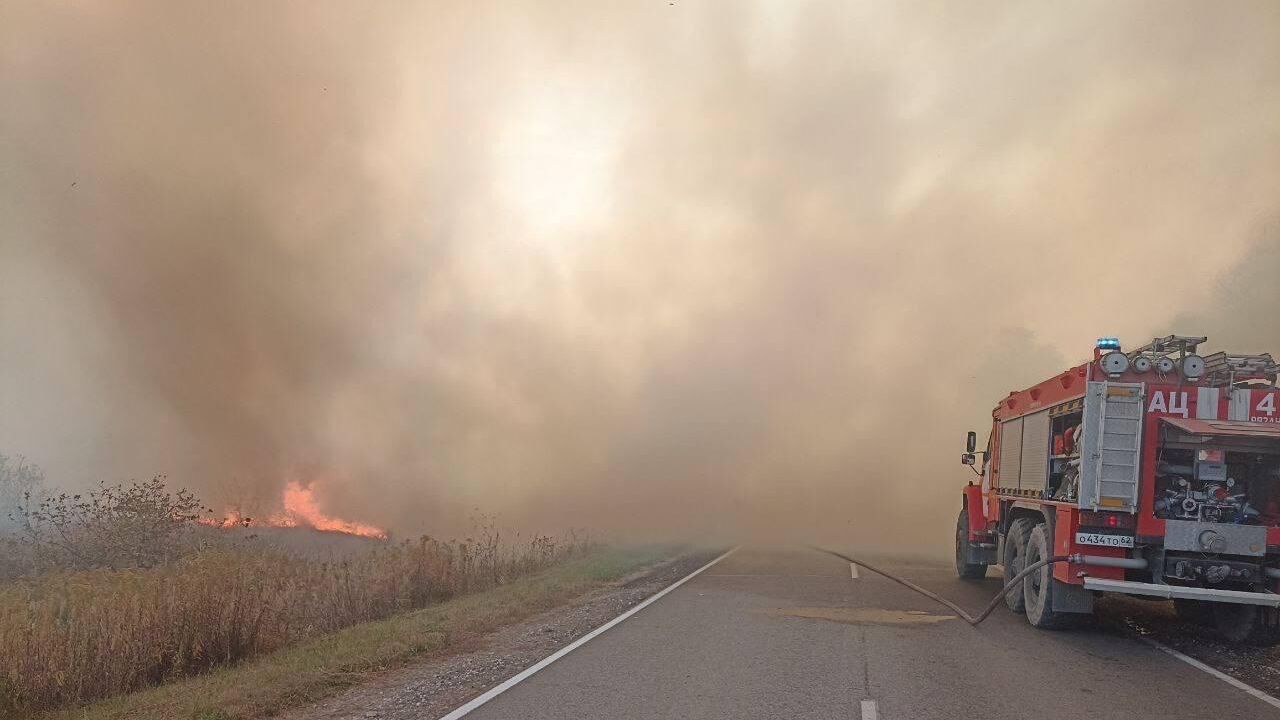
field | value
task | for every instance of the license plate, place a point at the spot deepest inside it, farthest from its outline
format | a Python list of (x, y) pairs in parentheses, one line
[(1121, 541)]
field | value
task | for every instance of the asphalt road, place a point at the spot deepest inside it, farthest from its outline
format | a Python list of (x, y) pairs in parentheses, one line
[(790, 634)]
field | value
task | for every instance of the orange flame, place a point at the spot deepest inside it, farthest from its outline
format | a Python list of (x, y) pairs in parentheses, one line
[(230, 519), (301, 509)]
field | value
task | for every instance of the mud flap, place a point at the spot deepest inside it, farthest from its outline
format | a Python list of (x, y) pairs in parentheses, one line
[(1070, 598), (985, 555)]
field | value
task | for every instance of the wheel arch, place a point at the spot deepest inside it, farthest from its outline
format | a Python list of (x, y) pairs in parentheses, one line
[(1020, 509), (1013, 509)]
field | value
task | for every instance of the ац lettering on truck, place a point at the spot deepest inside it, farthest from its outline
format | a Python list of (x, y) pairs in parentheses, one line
[(1156, 472)]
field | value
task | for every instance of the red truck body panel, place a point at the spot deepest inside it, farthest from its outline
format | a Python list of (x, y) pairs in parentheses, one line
[(1164, 396)]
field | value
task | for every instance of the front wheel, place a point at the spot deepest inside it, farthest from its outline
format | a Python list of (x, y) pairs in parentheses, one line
[(965, 569)]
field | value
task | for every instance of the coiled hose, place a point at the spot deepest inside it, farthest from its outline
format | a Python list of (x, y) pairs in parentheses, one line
[(972, 620)]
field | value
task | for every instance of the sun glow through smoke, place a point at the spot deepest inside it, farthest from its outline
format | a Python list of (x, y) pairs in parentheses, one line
[(639, 266), (555, 155)]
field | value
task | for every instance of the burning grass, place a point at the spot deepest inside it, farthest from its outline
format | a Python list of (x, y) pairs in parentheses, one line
[(69, 638), (300, 509)]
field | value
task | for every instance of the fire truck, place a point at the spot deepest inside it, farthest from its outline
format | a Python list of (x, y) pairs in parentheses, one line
[(1153, 472)]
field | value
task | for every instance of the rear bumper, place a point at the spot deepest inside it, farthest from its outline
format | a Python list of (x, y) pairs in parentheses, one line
[(1179, 592)]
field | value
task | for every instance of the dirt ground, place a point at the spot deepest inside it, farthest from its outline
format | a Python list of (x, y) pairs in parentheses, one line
[(434, 687)]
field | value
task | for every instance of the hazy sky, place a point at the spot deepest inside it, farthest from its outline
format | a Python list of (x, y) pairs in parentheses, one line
[(640, 265)]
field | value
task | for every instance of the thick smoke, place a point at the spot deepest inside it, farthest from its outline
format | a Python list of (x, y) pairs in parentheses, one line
[(1242, 315), (657, 267)]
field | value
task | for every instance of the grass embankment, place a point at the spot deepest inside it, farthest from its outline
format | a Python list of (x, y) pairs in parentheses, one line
[(72, 637), (326, 664)]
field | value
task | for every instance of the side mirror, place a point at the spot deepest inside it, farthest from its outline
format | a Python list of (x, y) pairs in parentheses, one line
[(971, 442), (968, 459)]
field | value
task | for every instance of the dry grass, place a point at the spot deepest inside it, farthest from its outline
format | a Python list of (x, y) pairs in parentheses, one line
[(66, 639), (311, 670)]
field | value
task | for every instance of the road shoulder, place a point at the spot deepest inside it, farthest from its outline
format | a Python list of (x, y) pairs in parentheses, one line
[(331, 665), (433, 687)]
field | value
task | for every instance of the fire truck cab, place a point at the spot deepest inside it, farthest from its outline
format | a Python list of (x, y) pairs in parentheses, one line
[(1153, 472)]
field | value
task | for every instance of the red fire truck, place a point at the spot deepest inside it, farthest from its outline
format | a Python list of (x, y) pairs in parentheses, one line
[(1156, 471)]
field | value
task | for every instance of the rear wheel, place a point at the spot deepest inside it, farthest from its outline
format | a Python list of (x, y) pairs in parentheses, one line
[(1038, 587), (1015, 547), (1194, 611), (965, 569), (1246, 623)]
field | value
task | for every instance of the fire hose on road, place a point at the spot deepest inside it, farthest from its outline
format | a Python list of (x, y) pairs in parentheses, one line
[(995, 601)]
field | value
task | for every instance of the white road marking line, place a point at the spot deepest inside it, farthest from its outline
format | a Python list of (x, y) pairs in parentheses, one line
[(529, 671), (853, 571), (869, 711), (758, 575), (1214, 672)]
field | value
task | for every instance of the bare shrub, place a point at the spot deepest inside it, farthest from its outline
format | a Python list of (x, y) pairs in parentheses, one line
[(21, 482), (141, 524)]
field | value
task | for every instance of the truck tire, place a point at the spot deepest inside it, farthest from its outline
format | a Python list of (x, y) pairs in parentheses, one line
[(965, 569), (1015, 547), (1246, 624), (1038, 587), (1195, 612)]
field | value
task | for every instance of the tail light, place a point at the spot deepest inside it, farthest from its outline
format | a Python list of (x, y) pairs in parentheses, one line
[(1117, 521)]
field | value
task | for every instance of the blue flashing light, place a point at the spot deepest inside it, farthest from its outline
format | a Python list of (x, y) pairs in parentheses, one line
[(1108, 343)]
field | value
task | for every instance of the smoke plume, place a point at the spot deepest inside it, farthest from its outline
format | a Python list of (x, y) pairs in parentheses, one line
[(646, 267)]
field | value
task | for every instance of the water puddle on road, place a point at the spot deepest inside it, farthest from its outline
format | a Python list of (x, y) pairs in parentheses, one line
[(861, 616)]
